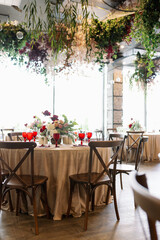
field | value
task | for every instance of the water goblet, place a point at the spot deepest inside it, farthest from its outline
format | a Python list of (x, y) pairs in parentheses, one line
[(34, 135), (81, 137), (89, 135), (24, 135), (29, 136), (56, 137)]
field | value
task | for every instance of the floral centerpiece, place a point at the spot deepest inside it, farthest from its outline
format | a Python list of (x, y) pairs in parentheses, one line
[(134, 125), (37, 124), (52, 125), (64, 127)]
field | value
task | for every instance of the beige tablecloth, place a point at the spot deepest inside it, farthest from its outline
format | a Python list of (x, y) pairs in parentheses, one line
[(58, 164), (152, 147)]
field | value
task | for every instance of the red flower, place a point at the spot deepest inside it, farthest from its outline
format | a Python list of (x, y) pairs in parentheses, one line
[(130, 125), (43, 128)]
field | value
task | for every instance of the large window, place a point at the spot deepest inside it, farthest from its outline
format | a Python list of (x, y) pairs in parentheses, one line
[(24, 94), (134, 103), (80, 96)]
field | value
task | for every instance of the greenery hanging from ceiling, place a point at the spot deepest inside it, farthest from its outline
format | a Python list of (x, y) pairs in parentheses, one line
[(145, 30), (108, 36), (140, 76), (13, 37), (64, 35)]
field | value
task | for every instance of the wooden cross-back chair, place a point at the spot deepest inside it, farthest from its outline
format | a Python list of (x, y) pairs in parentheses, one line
[(16, 135), (91, 180), (4, 131), (111, 130), (99, 135), (145, 200), (126, 168), (23, 183), (122, 137), (132, 142)]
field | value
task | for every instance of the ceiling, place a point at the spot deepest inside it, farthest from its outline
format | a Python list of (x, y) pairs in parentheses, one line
[(103, 9)]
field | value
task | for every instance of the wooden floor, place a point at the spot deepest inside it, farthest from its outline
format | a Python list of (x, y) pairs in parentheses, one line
[(102, 223)]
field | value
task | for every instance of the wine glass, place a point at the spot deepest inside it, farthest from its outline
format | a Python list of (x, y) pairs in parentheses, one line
[(29, 136), (56, 136), (89, 135), (34, 135), (24, 134), (81, 137)]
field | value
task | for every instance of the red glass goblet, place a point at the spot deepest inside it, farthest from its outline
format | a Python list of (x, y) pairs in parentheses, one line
[(34, 135), (29, 136), (89, 135), (24, 134), (56, 136), (81, 137)]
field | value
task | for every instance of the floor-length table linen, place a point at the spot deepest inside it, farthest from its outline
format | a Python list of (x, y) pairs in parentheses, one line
[(151, 148), (57, 164)]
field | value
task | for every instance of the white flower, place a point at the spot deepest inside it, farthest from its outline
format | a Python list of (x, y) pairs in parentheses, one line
[(15, 22), (54, 131), (50, 126)]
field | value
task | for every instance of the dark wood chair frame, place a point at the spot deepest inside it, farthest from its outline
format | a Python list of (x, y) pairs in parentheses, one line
[(6, 130), (135, 142), (99, 135), (18, 136), (145, 200), (91, 180), (110, 131), (122, 137), (126, 168), (24, 183)]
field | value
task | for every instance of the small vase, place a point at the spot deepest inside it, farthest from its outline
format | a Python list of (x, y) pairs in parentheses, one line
[(67, 140), (54, 142), (43, 140)]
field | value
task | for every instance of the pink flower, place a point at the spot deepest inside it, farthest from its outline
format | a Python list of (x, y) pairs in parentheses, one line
[(60, 126)]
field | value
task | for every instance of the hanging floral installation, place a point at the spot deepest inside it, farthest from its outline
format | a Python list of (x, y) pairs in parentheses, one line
[(13, 36), (107, 36), (145, 30), (140, 76), (64, 37)]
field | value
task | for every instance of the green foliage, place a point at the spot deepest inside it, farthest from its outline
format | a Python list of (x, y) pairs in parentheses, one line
[(141, 75), (107, 36), (144, 30), (9, 43)]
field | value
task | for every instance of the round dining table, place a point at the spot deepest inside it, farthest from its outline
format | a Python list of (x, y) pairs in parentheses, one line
[(58, 163)]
